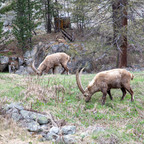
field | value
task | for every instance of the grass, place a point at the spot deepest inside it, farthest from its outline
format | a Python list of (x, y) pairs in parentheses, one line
[(120, 121)]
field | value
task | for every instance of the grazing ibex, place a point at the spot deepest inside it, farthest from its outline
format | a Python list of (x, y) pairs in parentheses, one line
[(51, 61), (104, 81)]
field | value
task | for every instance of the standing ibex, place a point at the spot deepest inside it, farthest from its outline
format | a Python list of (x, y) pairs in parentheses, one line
[(51, 61), (104, 81)]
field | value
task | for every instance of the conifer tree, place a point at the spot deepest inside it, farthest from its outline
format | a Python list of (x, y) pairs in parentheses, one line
[(23, 24)]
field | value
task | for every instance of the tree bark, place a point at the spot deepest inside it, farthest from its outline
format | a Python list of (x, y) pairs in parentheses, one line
[(29, 18), (48, 17), (124, 44), (119, 8), (57, 19)]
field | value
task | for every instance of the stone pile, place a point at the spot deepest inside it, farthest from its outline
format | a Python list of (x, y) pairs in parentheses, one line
[(41, 124)]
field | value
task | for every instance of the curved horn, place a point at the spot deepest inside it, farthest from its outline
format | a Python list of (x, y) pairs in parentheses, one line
[(79, 81), (33, 67)]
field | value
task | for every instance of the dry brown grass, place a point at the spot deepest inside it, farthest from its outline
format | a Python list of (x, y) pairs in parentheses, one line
[(44, 93)]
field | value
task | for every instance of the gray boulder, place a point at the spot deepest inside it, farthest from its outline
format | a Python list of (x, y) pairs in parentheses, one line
[(33, 126), (54, 130), (4, 60), (66, 130), (24, 70), (68, 139), (25, 114), (42, 119), (53, 134), (16, 116), (18, 106)]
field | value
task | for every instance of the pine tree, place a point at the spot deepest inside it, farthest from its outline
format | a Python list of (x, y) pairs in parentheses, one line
[(1, 26), (23, 24)]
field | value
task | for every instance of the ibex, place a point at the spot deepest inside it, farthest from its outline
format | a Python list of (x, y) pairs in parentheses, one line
[(51, 61), (105, 81)]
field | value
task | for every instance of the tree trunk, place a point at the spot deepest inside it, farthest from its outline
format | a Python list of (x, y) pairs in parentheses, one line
[(29, 18), (124, 44), (48, 17), (57, 19), (120, 31)]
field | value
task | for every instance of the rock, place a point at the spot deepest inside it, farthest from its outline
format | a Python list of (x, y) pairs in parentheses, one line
[(13, 110), (67, 139), (16, 116), (33, 126), (53, 133), (61, 47), (21, 61), (3, 67), (54, 48), (66, 130), (21, 70), (42, 120), (82, 62), (25, 114), (6, 23), (29, 70), (24, 70), (54, 130), (13, 105), (41, 28), (39, 54), (29, 115), (4, 60), (46, 127), (29, 54), (51, 136)]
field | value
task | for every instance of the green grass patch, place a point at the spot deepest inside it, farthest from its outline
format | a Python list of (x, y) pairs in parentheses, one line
[(121, 121)]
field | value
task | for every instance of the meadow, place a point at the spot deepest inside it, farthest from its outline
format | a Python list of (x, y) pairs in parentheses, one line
[(115, 122)]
